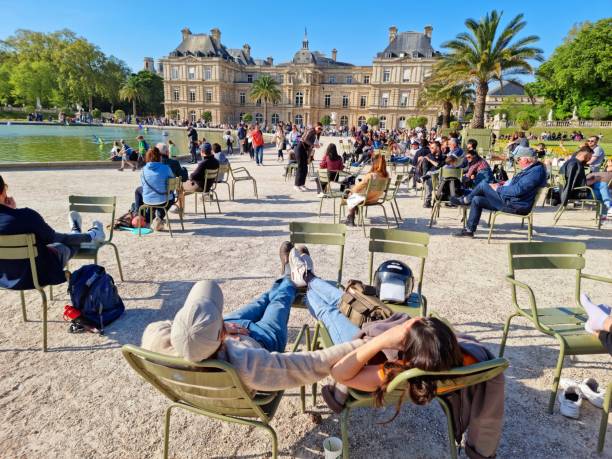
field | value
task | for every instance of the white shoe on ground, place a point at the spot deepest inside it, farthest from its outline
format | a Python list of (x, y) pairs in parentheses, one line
[(75, 221), (299, 267), (592, 392), (175, 210), (320, 195), (157, 224), (303, 188), (297, 188), (570, 401), (97, 231)]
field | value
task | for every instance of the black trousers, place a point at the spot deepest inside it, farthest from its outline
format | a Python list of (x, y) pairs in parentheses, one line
[(301, 172)]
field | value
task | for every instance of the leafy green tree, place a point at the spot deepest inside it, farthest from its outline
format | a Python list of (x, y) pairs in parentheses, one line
[(265, 88), (173, 113), (599, 113), (486, 52), (441, 91), (131, 92), (96, 113), (373, 121), (119, 115), (247, 118), (578, 72), (114, 75), (207, 117), (455, 125), (525, 120), (32, 82), (325, 120), (151, 90), (417, 121)]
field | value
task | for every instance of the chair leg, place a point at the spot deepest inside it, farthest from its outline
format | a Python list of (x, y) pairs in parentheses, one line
[(272, 433), (553, 394), (169, 225), (44, 317), (204, 205), (51, 286), (397, 208), (433, 215), (167, 431), (232, 194), (492, 217), (451, 429), (24, 313), (320, 207), (604, 419), (394, 214), (255, 189), (385, 214), (344, 418), (118, 260), (217, 199), (529, 227), (558, 214), (502, 346)]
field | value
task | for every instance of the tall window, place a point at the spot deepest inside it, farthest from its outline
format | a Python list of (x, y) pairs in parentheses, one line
[(361, 120), (249, 78), (191, 73), (174, 73), (384, 99), (299, 120), (404, 99), (275, 118), (406, 75), (349, 79), (363, 101), (327, 100), (344, 120), (207, 73), (176, 94), (208, 97), (345, 101), (401, 122), (332, 79), (382, 122), (259, 118), (242, 97), (366, 79), (192, 116), (299, 99), (192, 95), (386, 75)]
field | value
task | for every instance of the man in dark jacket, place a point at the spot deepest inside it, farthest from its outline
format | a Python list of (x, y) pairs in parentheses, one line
[(575, 177), (302, 153), (196, 179), (515, 196), (192, 135)]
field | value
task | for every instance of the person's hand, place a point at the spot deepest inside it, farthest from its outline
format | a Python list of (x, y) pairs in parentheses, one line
[(234, 329), (395, 337), (9, 201), (494, 186)]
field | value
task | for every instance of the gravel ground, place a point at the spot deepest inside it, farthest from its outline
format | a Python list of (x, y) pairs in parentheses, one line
[(81, 400)]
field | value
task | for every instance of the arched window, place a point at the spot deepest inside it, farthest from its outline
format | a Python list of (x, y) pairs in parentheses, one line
[(382, 122), (361, 120), (192, 116), (299, 99), (401, 122), (344, 120), (258, 118), (275, 118), (299, 120)]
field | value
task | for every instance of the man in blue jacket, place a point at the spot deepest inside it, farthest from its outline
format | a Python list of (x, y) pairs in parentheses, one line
[(516, 196)]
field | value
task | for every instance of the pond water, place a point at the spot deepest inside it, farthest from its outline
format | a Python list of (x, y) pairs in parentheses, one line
[(20, 143)]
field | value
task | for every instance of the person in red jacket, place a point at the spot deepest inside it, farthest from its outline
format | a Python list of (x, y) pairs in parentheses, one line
[(258, 145), (331, 161)]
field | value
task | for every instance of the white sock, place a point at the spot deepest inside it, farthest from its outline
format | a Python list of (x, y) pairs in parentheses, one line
[(597, 313)]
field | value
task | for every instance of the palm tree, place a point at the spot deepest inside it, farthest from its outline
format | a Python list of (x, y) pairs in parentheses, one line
[(484, 54), (440, 91), (265, 88), (131, 92)]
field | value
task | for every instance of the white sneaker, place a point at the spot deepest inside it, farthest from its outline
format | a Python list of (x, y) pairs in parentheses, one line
[(592, 392), (75, 221), (320, 195), (299, 267), (97, 231), (303, 188), (297, 188), (570, 400), (175, 210), (157, 224)]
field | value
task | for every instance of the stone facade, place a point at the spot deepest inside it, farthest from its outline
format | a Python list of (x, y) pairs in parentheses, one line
[(201, 74)]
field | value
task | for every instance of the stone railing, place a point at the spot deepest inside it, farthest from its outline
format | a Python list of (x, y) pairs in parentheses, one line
[(569, 123)]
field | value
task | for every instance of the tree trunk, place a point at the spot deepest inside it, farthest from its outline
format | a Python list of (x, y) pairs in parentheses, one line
[(265, 101), (446, 114), (90, 103), (479, 106), (112, 108), (134, 109)]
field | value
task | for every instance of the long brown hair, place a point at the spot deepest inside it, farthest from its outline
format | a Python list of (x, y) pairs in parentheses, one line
[(379, 166), (153, 155), (430, 345)]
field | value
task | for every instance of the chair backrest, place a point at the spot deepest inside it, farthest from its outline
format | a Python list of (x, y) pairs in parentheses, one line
[(320, 234), (394, 187), (538, 197), (211, 385), (399, 242), (323, 179), (210, 175), (223, 172), (378, 185), (21, 247), (95, 205), (451, 173)]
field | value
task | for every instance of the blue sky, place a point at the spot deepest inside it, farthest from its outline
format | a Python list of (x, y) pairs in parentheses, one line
[(358, 29)]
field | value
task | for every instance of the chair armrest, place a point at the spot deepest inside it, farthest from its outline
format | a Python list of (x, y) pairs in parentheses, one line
[(607, 280), (532, 300), (241, 170), (588, 188)]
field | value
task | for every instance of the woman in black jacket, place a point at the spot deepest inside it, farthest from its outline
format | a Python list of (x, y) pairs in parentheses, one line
[(302, 153)]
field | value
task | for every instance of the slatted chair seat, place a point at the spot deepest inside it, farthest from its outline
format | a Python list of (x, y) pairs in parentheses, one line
[(443, 174), (375, 185), (590, 201), (241, 174), (529, 217)]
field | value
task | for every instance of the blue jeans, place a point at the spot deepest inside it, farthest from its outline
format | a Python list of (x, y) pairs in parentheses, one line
[(266, 318), (482, 197), (602, 193), (323, 300), (259, 155)]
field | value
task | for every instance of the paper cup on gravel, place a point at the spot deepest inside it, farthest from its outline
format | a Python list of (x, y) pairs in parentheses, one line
[(332, 447)]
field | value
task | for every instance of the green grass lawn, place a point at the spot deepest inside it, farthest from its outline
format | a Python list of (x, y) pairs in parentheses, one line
[(607, 132)]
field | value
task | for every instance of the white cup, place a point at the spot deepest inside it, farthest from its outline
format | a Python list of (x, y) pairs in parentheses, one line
[(332, 447)]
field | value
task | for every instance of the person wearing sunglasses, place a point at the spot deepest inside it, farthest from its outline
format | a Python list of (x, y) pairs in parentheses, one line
[(598, 154)]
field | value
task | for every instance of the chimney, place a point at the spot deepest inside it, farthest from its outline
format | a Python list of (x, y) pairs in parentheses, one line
[(270, 60), (334, 54), (247, 50), (392, 33), (149, 64), (428, 30), (186, 33), (216, 35)]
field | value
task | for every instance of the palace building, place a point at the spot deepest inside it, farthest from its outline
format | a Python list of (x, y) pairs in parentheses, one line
[(202, 74)]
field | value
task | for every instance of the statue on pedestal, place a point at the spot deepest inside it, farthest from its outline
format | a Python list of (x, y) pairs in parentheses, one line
[(333, 116)]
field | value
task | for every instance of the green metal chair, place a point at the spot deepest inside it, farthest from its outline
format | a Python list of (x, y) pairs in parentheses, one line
[(23, 247), (565, 324), (97, 205), (391, 198), (173, 189), (241, 174), (210, 175), (327, 191), (223, 178), (445, 174), (290, 170), (529, 217), (449, 381), (210, 388), (379, 185), (407, 243), (604, 418), (590, 201)]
